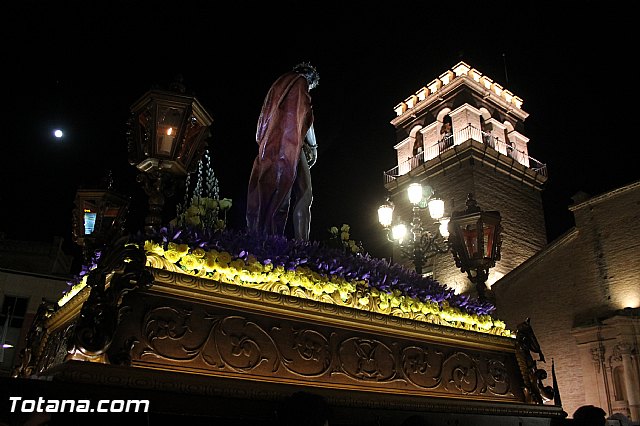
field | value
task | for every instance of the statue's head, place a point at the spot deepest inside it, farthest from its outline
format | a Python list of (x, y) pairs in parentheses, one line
[(309, 72)]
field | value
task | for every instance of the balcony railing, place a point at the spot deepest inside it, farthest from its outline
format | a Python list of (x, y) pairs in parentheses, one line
[(463, 135)]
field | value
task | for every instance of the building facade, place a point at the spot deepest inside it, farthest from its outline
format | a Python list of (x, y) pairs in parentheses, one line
[(30, 272), (582, 294)]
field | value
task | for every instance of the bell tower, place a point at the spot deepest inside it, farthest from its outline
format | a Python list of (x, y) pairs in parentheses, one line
[(463, 133)]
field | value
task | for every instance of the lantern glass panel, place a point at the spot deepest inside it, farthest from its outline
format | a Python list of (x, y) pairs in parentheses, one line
[(89, 221), (470, 239), (489, 232), (168, 127)]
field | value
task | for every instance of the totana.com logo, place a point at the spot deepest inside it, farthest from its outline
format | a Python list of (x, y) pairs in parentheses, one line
[(41, 405)]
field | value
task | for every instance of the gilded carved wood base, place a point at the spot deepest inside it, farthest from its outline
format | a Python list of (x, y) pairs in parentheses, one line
[(195, 336), (272, 344), (222, 342)]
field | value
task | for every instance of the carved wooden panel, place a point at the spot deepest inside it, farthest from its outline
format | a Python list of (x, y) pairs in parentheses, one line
[(204, 338)]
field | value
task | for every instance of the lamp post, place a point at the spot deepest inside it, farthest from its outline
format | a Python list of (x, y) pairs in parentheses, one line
[(417, 243), (475, 242), (472, 235), (98, 215), (167, 136)]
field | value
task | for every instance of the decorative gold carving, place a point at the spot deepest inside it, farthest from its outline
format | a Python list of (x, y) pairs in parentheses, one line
[(526, 344), (367, 360), (224, 342), (120, 270), (35, 339)]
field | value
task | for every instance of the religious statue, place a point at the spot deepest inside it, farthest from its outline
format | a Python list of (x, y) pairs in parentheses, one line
[(287, 149)]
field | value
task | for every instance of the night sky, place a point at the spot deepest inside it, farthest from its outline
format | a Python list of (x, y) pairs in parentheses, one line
[(83, 66)]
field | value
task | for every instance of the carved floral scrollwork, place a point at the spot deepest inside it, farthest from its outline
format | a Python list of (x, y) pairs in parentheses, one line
[(308, 354), (498, 382), (244, 346), (367, 359), (234, 343), (461, 374), (164, 328), (422, 367), (222, 341)]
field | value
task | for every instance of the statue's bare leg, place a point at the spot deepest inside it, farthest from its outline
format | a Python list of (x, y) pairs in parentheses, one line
[(304, 197)]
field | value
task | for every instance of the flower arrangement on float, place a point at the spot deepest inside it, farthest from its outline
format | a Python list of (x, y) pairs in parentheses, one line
[(335, 271), (317, 271)]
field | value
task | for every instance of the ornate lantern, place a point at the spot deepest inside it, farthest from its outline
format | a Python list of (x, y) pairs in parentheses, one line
[(98, 216), (475, 240), (167, 137)]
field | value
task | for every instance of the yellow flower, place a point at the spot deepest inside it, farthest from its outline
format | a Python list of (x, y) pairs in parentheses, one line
[(151, 247), (500, 324), (317, 289), (172, 256), (334, 230), (225, 203), (193, 220), (209, 203), (395, 301), (190, 262), (198, 252), (194, 210), (180, 249), (406, 305), (237, 264), (329, 288), (224, 257), (209, 263), (254, 266), (344, 235), (345, 228)]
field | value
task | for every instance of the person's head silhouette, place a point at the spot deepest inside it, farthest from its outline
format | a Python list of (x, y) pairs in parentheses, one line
[(589, 415)]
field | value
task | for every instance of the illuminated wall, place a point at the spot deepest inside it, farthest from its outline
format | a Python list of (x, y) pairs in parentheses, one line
[(582, 294)]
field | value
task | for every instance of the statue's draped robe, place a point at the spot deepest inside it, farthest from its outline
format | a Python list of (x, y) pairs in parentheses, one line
[(285, 118)]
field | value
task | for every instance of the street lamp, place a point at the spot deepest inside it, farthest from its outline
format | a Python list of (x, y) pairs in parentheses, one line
[(475, 242), (472, 235), (417, 243), (167, 137)]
